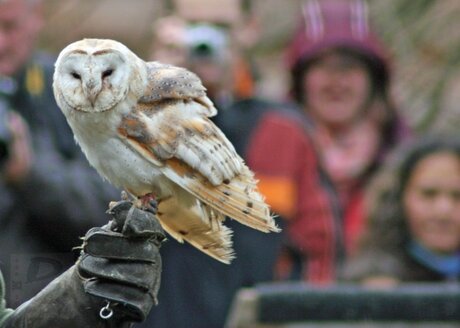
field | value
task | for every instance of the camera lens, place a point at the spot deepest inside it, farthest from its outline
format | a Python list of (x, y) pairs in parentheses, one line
[(203, 50)]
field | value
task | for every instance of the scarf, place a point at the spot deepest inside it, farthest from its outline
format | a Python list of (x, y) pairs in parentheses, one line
[(446, 265)]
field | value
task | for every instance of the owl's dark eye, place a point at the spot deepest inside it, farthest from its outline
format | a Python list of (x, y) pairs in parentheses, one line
[(107, 73), (76, 75)]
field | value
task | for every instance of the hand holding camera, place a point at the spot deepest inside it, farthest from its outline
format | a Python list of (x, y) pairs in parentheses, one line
[(16, 153)]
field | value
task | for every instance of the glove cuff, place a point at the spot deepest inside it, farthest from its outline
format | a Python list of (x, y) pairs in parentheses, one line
[(63, 303)]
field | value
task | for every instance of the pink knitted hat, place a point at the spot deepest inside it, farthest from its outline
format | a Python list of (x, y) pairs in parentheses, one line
[(328, 24)]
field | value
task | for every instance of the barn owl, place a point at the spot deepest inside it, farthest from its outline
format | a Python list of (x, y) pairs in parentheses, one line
[(145, 127)]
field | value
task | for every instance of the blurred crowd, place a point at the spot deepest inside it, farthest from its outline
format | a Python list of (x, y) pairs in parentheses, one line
[(360, 196)]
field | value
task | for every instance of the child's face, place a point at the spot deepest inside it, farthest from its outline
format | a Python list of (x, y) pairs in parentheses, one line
[(431, 202), (337, 87)]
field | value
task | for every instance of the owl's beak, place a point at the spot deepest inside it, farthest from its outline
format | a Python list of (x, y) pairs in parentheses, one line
[(92, 98), (92, 89)]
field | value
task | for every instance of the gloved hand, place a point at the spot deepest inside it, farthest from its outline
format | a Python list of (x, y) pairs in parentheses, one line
[(120, 262), (114, 282)]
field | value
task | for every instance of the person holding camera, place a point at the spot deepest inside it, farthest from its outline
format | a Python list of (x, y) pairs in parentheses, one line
[(50, 195)]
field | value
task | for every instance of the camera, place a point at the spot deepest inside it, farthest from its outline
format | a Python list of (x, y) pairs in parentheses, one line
[(5, 132), (205, 41)]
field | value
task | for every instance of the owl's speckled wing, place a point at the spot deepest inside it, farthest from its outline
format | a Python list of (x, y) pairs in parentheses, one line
[(174, 130), (197, 156), (172, 82)]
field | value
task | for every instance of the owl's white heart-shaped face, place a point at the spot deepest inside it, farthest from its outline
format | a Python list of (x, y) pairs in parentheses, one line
[(92, 77)]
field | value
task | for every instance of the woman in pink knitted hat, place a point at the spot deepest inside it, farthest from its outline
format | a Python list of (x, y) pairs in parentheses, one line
[(340, 80)]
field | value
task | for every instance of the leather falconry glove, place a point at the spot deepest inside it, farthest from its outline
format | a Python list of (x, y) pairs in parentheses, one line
[(114, 283)]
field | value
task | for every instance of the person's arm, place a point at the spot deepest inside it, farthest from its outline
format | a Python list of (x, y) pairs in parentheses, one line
[(114, 283), (374, 267)]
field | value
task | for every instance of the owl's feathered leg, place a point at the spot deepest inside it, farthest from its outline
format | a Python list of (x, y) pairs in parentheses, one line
[(146, 202)]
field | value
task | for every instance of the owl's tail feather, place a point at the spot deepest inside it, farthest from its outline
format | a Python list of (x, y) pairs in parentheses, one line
[(239, 198), (199, 225), (241, 201)]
